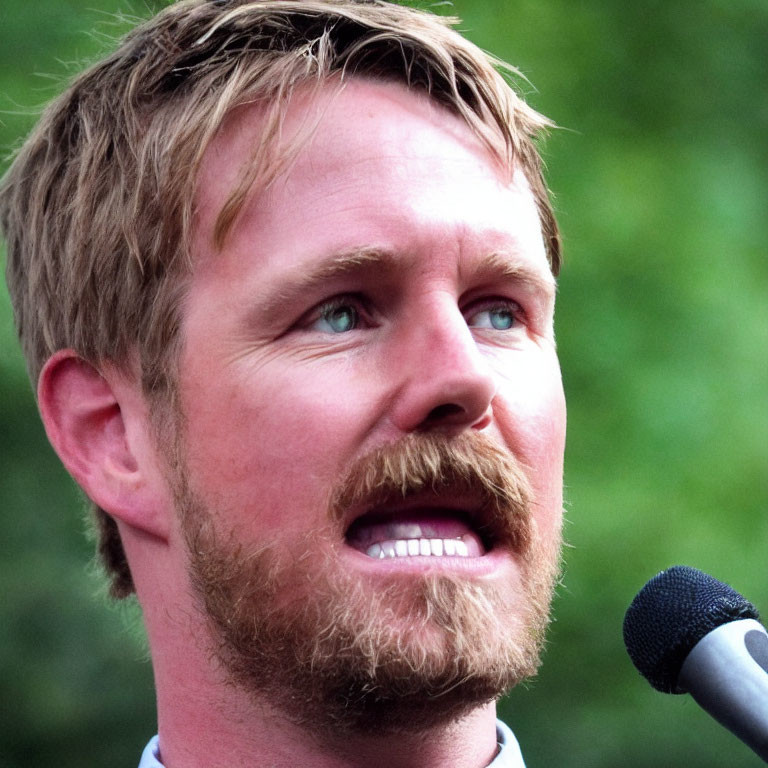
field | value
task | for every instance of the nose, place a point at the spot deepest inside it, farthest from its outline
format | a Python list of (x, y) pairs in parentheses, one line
[(447, 383)]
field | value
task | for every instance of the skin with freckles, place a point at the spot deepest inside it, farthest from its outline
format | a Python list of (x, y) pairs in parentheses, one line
[(392, 282)]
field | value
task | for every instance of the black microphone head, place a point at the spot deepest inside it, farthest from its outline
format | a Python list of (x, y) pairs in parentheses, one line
[(670, 614)]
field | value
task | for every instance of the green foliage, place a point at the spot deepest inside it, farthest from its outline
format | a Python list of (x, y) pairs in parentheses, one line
[(659, 173)]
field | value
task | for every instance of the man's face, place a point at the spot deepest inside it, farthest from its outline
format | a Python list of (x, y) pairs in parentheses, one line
[(385, 308)]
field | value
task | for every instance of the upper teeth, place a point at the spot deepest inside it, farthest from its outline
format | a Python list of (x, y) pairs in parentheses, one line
[(420, 547)]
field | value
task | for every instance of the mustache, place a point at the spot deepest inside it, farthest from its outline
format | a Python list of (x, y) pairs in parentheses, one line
[(470, 465)]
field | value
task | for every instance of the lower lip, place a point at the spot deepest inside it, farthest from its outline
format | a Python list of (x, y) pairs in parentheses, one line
[(490, 564)]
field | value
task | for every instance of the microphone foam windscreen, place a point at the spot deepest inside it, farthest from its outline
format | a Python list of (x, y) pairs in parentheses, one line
[(670, 614)]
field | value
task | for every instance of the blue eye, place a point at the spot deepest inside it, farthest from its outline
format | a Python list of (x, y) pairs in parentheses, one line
[(337, 318), (501, 318)]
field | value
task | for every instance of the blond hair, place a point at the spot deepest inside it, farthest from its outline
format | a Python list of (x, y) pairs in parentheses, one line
[(97, 207)]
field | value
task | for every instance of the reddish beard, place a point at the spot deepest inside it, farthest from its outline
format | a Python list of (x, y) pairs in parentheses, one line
[(337, 652)]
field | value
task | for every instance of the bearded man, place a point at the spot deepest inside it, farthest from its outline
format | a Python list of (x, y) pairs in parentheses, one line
[(284, 273)]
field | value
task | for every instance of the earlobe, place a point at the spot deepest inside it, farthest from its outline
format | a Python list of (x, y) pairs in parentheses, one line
[(87, 419)]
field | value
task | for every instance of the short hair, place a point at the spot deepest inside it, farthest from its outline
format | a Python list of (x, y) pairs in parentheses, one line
[(97, 208)]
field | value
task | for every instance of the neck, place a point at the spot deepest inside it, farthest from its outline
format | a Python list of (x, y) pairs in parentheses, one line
[(196, 733)]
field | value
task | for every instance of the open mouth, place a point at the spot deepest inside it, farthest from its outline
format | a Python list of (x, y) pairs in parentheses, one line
[(419, 531)]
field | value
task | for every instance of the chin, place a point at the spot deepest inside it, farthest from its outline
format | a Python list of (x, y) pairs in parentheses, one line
[(337, 653)]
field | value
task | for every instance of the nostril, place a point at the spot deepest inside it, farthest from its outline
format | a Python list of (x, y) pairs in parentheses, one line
[(444, 412)]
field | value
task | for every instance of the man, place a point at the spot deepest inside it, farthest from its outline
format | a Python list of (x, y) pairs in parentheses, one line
[(284, 273)]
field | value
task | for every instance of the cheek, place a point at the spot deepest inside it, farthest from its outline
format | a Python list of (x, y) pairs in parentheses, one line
[(267, 446), (530, 410), (530, 402)]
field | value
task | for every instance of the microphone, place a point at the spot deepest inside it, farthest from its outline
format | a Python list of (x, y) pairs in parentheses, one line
[(687, 632)]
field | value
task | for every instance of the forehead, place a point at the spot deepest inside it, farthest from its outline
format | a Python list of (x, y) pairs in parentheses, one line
[(368, 158)]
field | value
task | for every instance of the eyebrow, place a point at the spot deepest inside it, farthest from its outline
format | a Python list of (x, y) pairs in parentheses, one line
[(296, 284), (496, 265), (507, 266)]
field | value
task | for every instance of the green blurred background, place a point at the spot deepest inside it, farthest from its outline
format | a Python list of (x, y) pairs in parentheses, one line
[(660, 177)]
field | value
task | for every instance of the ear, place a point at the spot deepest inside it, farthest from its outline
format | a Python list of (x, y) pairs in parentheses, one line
[(99, 427)]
